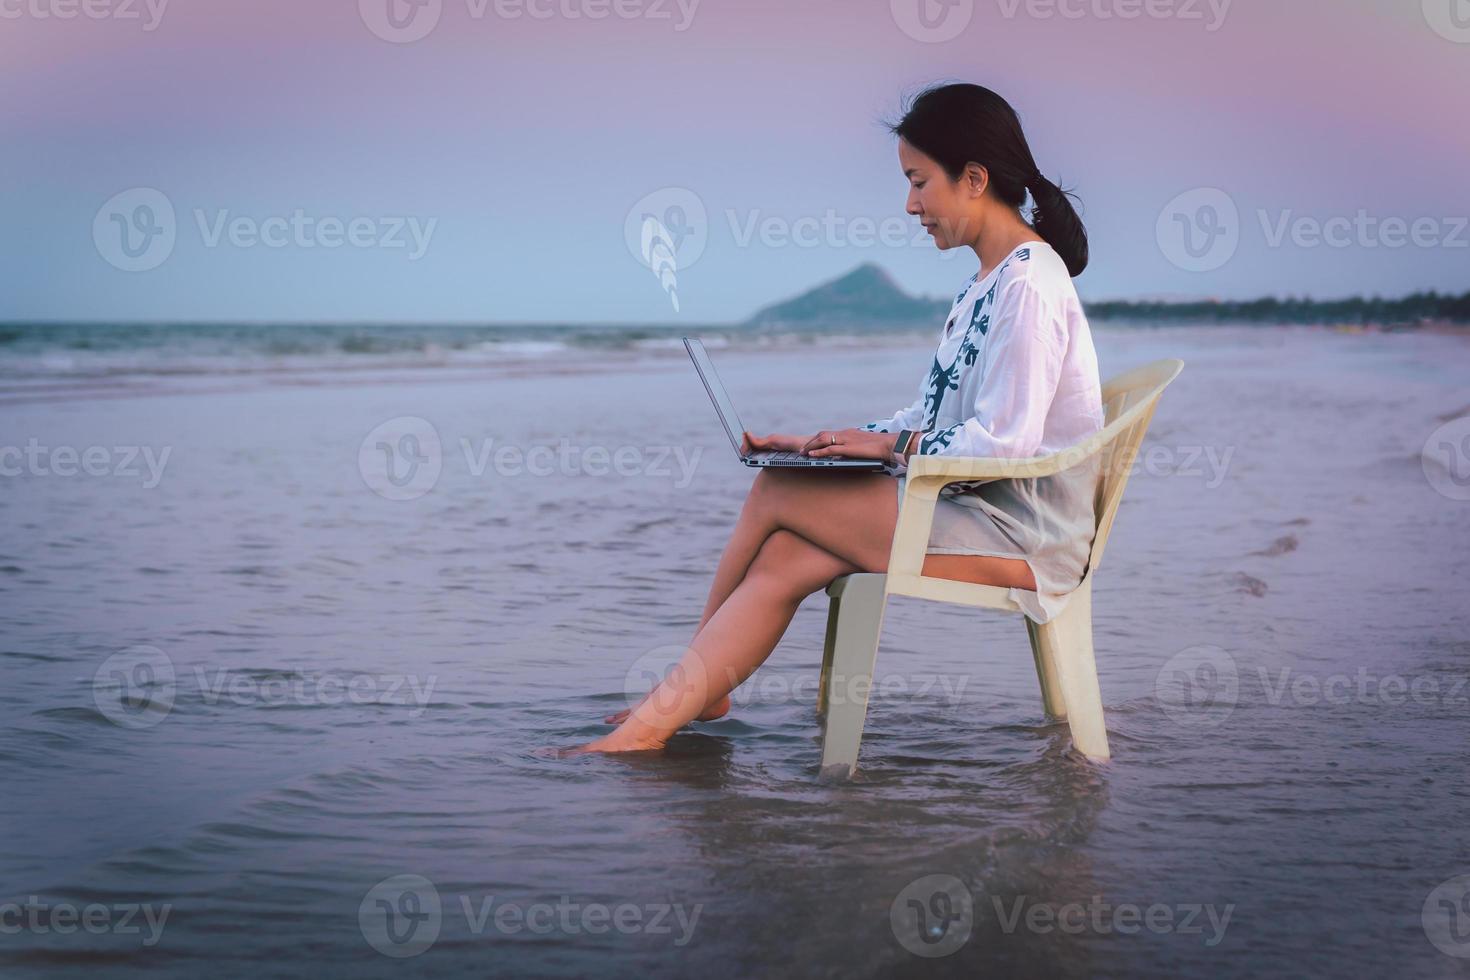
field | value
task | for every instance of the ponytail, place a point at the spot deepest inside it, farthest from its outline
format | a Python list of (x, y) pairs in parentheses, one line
[(1057, 221)]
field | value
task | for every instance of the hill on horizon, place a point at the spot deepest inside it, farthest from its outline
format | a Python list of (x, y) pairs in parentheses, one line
[(866, 295)]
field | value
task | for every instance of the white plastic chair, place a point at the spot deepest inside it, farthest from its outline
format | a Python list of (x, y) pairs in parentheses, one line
[(1062, 648)]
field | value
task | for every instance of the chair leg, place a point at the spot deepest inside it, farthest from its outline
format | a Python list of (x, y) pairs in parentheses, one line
[(853, 634), (829, 645), (1043, 653), (1068, 641)]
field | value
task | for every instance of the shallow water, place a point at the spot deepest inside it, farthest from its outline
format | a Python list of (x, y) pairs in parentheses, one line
[(360, 686)]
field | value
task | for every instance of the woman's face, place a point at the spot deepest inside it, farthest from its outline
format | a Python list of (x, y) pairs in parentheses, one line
[(944, 206)]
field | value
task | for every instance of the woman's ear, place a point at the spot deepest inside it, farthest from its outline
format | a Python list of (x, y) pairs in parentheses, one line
[(977, 178)]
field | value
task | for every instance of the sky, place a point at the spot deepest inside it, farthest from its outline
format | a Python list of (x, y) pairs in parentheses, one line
[(495, 160)]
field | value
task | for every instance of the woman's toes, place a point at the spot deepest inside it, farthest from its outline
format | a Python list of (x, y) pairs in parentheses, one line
[(617, 718), (612, 743)]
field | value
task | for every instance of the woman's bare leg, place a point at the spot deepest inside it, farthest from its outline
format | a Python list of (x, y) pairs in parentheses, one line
[(737, 639), (774, 493)]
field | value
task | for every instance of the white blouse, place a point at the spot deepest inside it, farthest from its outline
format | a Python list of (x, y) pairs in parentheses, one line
[(1015, 375)]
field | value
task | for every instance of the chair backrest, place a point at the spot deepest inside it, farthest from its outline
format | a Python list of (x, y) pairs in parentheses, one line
[(1129, 401)]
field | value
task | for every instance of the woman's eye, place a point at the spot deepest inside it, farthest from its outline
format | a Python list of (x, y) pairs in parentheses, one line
[(919, 186)]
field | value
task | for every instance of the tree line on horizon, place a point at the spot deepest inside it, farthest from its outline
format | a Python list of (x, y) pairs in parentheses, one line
[(1415, 309)]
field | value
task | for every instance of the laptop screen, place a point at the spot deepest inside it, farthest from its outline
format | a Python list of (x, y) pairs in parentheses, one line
[(711, 380)]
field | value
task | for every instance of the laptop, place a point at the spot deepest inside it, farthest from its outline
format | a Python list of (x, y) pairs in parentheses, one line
[(765, 457)]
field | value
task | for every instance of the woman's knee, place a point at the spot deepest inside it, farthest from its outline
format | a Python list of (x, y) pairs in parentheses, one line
[(792, 565), (777, 561)]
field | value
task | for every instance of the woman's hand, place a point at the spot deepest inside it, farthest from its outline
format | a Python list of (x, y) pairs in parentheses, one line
[(852, 444), (749, 442)]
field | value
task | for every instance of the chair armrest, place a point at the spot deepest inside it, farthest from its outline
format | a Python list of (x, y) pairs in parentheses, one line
[(943, 470), (926, 475)]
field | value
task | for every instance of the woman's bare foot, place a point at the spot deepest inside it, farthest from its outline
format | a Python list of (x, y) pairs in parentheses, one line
[(635, 736), (612, 743), (717, 710)]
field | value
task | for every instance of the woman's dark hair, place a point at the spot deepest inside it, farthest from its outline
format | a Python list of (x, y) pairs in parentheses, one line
[(959, 123)]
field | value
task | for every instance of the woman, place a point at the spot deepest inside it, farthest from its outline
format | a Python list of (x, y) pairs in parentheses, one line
[(1015, 375)]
